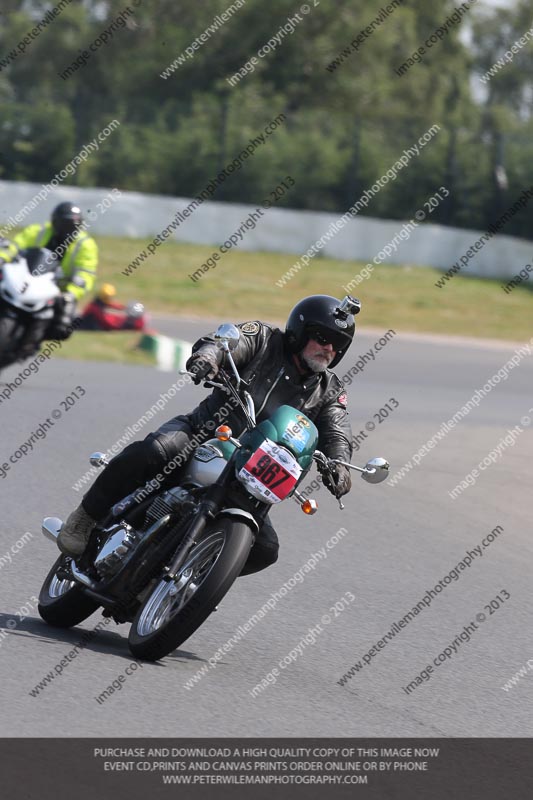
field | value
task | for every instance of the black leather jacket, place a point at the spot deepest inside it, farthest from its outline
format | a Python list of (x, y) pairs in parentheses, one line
[(266, 364)]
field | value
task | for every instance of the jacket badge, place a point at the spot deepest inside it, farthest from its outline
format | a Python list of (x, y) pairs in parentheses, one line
[(251, 328)]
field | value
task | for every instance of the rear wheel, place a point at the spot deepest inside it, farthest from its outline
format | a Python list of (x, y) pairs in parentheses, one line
[(62, 603), (175, 609)]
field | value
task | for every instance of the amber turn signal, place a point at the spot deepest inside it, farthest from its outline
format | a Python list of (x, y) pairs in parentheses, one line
[(223, 433), (309, 506)]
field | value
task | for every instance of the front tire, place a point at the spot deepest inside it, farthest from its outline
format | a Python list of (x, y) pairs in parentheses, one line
[(175, 610), (9, 328), (62, 603)]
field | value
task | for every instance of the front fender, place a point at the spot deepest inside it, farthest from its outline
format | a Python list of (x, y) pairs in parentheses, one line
[(240, 514)]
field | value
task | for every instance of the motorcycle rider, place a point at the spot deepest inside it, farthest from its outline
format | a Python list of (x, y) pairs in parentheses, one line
[(104, 313), (76, 251), (288, 367)]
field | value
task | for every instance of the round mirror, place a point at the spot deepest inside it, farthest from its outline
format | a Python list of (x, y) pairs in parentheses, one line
[(377, 470), (227, 332)]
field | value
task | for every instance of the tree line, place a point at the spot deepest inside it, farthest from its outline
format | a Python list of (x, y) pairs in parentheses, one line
[(332, 67)]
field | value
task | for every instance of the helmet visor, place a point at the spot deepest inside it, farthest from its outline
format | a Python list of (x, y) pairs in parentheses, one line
[(322, 335), (66, 226)]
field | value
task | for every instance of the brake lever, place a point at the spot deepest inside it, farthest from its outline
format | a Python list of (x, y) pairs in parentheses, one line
[(325, 464), (215, 385), (208, 384)]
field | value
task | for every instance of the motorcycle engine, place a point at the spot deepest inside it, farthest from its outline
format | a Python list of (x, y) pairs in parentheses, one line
[(111, 555), (176, 499), (122, 537)]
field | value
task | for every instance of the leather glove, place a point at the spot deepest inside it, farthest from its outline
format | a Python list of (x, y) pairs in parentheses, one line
[(62, 326), (339, 482), (69, 306), (204, 369)]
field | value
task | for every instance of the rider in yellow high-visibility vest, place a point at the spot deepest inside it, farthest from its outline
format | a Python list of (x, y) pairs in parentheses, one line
[(77, 253)]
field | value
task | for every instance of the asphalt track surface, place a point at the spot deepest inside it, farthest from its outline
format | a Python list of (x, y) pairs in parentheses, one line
[(401, 540)]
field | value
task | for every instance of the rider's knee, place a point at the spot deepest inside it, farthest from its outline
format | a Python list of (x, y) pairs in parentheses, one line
[(167, 446), (140, 456)]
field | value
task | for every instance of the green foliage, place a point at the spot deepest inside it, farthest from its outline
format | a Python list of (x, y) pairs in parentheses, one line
[(344, 127), (34, 140)]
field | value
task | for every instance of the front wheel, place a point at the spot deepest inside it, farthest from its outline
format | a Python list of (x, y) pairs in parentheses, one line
[(63, 603), (10, 333), (175, 609)]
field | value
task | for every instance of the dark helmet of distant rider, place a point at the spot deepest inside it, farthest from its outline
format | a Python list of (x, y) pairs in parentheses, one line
[(66, 220)]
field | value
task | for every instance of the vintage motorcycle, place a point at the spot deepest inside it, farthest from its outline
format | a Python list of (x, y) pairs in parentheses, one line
[(28, 292), (165, 561)]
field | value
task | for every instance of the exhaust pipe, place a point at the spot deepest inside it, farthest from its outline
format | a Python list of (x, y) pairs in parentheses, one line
[(51, 527), (81, 577)]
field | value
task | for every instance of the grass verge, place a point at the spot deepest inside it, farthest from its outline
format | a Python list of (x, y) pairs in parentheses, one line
[(243, 286), (121, 347)]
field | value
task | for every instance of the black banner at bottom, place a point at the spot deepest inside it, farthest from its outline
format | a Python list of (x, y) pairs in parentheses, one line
[(127, 769)]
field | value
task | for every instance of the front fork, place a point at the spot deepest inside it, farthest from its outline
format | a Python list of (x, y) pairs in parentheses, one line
[(206, 512)]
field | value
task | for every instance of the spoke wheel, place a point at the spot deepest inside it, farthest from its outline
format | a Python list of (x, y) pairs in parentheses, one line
[(63, 603), (175, 609), (170, 597)]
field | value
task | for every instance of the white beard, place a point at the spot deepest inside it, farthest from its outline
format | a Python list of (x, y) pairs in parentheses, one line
[(317, 364)]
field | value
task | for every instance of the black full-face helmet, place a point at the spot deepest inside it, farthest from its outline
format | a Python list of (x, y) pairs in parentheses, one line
[(66, 219), (324, 319)]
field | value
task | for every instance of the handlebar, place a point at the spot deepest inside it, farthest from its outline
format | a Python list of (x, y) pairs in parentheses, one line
[(208, 384), (247, 405)]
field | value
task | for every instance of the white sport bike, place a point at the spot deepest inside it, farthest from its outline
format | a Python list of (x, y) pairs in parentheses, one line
[(28, 292)]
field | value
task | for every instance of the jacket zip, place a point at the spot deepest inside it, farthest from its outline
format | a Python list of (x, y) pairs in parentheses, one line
[(276, 381)]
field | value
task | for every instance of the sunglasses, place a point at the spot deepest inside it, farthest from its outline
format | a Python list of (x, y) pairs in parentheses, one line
[(336, 340)]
